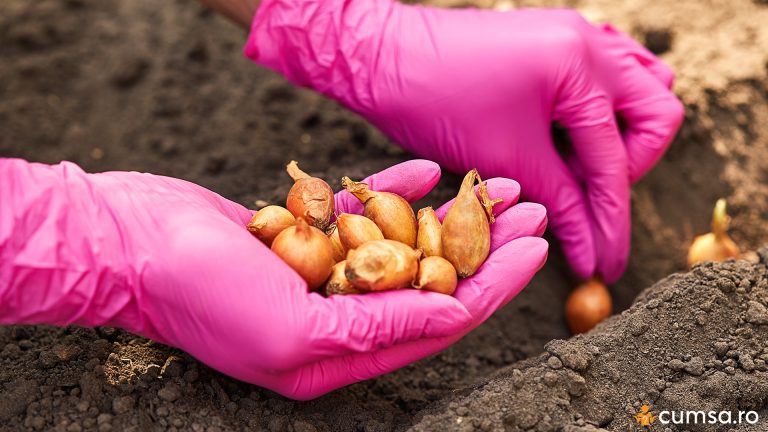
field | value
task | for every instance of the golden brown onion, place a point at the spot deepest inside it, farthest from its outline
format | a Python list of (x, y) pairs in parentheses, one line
[(338, 283), (380, 265), (428, 239), (339, 252), (268, 222), (354, 230), (307, 250), (466, 232), (309, 197), (587, 305), (391, 212), (436, 274), (716, 245)]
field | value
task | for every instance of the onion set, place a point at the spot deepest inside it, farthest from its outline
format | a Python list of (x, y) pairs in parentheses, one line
[(307, 250), (466, 231), (380, 265), (587, 305), (390, 212), (309, 197), (436, 274), (716, 245), (268, 222)]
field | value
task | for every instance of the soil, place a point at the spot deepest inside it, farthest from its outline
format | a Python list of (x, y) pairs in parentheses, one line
[(163, 87)]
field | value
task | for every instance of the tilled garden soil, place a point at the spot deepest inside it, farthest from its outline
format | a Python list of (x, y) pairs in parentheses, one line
[(163, 87)]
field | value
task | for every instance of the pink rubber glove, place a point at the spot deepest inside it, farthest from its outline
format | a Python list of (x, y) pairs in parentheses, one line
[(172, 261), (478, 88)]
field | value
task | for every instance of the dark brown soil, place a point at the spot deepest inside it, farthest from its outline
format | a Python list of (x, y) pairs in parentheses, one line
[(162, 87)]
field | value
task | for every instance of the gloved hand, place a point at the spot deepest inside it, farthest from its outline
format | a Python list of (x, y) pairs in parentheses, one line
[(172, 261), (477, 88)]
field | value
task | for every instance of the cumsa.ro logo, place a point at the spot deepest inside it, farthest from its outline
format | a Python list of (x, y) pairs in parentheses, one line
[(687, 417)]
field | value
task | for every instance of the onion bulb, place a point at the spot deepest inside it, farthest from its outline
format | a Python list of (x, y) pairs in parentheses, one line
[(381, 265), (436, 274), (309, 197), (339, 252), (466, 231), (354, 230), (390, 212), (338, 283), (716, 245), (587, 305), (268, 222), (428, 237), (307, 250)]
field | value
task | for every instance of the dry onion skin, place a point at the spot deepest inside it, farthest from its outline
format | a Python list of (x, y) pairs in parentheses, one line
[(381, 265), (716, 245), (587, 305), (436, 274), (390, 212), (338, 284), (339, 252), (354, 230), (466, 231), (268, 222), (428, 238), (307, 250), (309, 197)]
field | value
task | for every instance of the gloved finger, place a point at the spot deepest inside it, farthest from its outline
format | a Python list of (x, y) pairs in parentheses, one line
[(652, 115), (624, 44), (498, 187), (555, 187), (345, 324), (506, 272), (588, 115), (522, 220), (411, 179)]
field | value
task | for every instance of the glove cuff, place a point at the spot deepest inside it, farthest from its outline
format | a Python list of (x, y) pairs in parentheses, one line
[(331, 46), (60, 256)]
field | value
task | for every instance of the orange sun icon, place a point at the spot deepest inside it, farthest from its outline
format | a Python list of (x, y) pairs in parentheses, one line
[(645, 417)]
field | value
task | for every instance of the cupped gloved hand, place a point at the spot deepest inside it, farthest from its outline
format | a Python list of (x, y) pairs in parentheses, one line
[(172, 261), (473, 88)]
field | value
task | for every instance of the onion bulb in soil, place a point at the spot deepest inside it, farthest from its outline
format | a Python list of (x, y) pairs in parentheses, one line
[(466, 231), (354, 230), (307, 250), (268, 222), (716, 245), (338, 283), (309, 197), (587, 305), (381, 265), (436, 274), (390, 212), (428, 239), (339, 252)]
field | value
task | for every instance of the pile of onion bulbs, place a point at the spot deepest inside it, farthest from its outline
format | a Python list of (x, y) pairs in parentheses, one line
[(388, 247)]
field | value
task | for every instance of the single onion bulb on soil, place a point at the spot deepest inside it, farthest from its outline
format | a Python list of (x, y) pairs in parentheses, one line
[(390, 212), (309, 197), (268, 222), (587, 305), (716, 245), (354, 230), (466, 231), (428, 238), (436, 274), (338, 283), (339, 252), (381, 265), (307, 250)]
